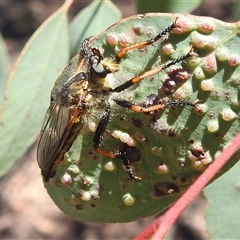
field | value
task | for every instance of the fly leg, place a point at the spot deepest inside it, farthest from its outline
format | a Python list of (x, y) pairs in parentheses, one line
[(137, 79), (126, 154), (157, 107), (168, 29)]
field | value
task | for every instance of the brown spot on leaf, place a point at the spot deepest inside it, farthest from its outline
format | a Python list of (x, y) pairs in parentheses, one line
[(164, 188)]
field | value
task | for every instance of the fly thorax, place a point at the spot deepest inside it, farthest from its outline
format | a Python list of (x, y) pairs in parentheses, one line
[(88, 98), (79, 90)]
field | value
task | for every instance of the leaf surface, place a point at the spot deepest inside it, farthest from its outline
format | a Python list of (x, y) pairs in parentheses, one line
[(176, 143), (3, 67), (222, 212), (91, 21), (29, 85)]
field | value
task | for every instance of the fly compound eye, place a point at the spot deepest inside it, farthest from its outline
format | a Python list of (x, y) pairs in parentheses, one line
[(97, 68)]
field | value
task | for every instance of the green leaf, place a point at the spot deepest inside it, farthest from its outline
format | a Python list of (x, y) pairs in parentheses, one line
[(29, 86), (176, 143), (223, 211), (3, 67), (91, 21), (171, 6)]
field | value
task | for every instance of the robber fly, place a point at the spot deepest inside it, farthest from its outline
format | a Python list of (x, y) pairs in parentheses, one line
[(84, 93), (63, 120)]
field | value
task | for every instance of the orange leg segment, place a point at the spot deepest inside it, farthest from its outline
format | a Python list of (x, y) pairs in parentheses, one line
[(151, 72), (122, 52)]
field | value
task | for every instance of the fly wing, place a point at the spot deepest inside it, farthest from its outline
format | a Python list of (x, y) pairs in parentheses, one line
[(53, 135)]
